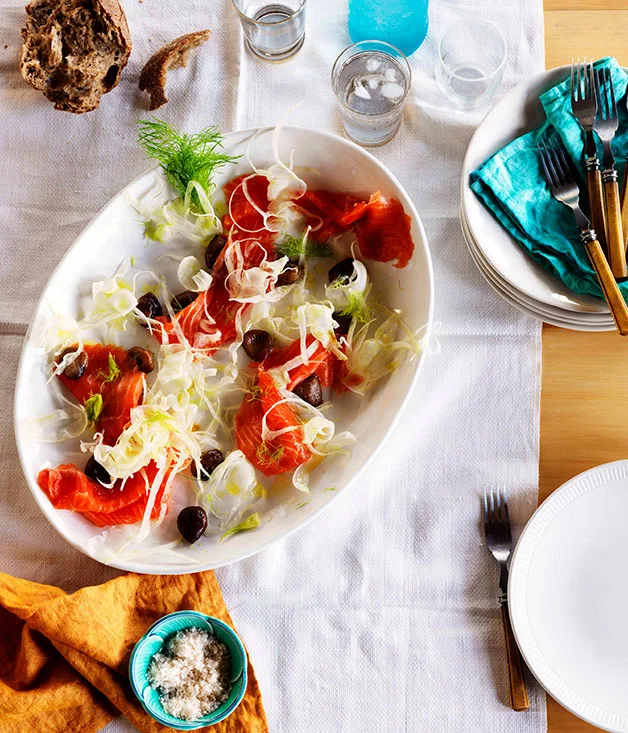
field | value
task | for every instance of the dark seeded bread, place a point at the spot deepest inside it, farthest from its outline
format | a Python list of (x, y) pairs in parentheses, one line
[(74, 50), (171, 56)]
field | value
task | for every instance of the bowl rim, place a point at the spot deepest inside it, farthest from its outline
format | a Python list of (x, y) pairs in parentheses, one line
[(243, 681), (42, 500)]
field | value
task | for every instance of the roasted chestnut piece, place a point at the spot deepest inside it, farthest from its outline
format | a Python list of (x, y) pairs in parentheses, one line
[(150, 306), (310, 391), (97, 472), (182, 300), (76, 369), (210, 460), (343, 323), (192, 522), (290, 274), (257, 344), (342, 271), (214, 248), (143, 358)]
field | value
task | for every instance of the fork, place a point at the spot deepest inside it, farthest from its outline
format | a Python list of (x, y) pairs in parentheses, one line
[(564, 188), (499, 543), (584, 108), (605, 124), (624, 200)]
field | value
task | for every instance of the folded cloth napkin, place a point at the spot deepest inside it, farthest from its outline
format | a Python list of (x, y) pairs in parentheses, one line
[(512, 186), (64, 658)]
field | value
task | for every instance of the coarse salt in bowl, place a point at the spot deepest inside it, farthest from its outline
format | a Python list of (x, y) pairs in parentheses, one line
[(152, 642)]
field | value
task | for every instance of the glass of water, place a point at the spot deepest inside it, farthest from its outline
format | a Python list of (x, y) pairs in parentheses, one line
[(371, 80), (471, 60), (274, 31)]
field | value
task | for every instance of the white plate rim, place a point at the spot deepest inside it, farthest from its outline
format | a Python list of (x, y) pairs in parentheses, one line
[(523, 307), (527, 310), (597, 320), (544, 79), (132, 566), (540, 521)]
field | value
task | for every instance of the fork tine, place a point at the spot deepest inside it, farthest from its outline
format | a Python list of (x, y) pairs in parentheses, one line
[(557, 163), (583, 70), (485, 508), (502, 514), (571, 79), (505, 508), (571, 89), (613, 104), (561, 158), (552, 161), (601, 94), (598, 94), (579, 80), (592, 91), (498, 508), (585, 74), (491, 511), (548, 175)]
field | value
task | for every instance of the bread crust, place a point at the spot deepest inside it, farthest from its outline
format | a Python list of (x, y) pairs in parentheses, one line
[(116, 14), (74, 51), (170, 56)]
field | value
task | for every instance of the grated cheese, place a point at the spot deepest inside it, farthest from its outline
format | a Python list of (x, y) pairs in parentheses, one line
[(191, 674)]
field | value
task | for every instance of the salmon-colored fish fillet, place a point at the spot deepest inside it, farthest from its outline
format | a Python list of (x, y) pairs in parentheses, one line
[(277, 455), (119, 396)]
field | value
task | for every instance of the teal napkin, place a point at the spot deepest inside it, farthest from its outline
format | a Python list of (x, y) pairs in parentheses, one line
[(512, 186)]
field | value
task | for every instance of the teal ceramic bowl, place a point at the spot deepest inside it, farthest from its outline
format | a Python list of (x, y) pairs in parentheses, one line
[(151, 643)]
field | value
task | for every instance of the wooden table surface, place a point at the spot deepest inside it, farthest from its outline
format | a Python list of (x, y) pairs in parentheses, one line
[(584, 387)]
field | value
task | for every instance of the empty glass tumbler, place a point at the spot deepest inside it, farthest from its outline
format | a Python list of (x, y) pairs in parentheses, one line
[(402, 23), (471, 61), (273, 31)]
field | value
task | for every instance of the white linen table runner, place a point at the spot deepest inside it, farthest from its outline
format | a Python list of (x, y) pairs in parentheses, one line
[(381, 615)]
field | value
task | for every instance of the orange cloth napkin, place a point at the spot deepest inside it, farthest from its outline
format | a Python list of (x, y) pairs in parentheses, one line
[(64, 658)]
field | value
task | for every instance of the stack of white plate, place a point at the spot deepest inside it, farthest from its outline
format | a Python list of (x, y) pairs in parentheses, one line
[(499, 257)]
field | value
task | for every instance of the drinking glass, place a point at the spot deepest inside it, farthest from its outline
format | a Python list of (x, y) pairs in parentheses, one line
[(471, 60), (371, 80), (273, 31), (403, 23)]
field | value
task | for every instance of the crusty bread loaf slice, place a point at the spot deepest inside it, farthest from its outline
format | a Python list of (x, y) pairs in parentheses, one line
[(74, 50), (171, 56)]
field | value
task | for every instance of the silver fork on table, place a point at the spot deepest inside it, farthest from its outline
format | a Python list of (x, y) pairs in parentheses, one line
[(499, 544), (584, 108), (605, 125), (563, 186)]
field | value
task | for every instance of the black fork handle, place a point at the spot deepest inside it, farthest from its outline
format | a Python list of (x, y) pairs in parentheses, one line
[(596, 199)]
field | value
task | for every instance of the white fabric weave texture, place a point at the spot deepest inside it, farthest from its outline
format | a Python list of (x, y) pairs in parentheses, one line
[(381, 615)]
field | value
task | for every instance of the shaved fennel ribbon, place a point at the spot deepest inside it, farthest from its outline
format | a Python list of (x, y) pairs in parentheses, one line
[(176, 216)]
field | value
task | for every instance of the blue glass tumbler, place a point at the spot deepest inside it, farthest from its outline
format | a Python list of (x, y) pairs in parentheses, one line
[(402, 23)]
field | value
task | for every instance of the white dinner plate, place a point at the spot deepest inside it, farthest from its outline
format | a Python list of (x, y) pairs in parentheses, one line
[(517, 113), (116, 233), (515, 299), (568, 595), (582, 321)]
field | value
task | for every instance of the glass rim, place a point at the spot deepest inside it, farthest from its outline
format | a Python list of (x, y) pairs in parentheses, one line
[(274, 23), (400, 55), (466, 23)]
